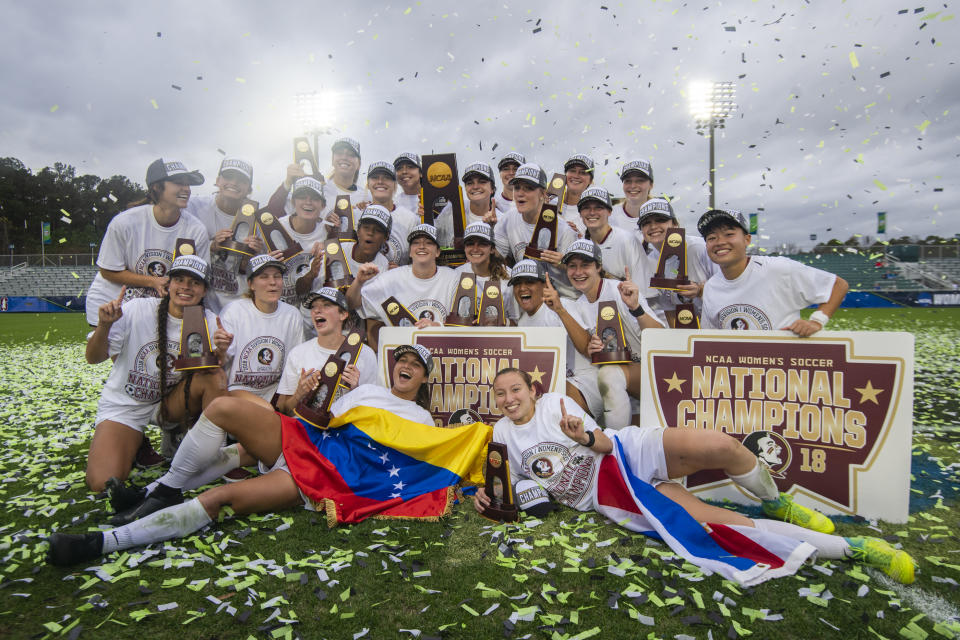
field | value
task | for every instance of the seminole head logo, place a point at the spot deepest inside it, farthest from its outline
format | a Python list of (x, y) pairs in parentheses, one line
[(771, 449)]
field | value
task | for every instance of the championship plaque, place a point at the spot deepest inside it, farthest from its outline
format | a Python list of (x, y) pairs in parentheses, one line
[(347, 230), (496, 483), (244, 225), (464, 312), (610, 330), (315, 406), (544, 234), (195, 351), (275, 236), (306, 157), (336, 269), (491, 306), (674, 246), (441, 185), (557, 190), (398, 314), (184, 247), (686, 316)]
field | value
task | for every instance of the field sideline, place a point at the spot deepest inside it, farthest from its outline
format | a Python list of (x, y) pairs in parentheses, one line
[(287, 575)]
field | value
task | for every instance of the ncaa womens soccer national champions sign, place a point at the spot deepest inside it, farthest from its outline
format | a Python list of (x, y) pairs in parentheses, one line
[(830, 416), (465, 361)]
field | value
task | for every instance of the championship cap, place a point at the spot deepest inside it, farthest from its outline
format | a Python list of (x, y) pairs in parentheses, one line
[(511, 158), (583, 248), (192, 265), (533, 499), (531, 174), (378, 215), (642, 167), (381, 167), (715, 216), (532, 269), (409, 157), (311, 184), (160, 170), (346, 143), (655, 207), (326, 293), (426, 230), (260, 262), (481, 169), (480, 230), (240, 166), (581, 159), (421, 352), (596, 194)]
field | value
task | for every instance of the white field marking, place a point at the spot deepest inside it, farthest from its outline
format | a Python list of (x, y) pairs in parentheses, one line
[(930, 604)]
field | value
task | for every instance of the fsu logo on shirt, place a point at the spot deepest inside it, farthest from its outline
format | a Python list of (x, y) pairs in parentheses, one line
[(744, 317), (260, 363), (143, 381)]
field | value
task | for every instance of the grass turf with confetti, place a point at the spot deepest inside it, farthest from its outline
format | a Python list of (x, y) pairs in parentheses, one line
[(570, 575)]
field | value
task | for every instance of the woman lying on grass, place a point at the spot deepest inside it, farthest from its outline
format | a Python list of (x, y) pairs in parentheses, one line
[(297, 467), (626, 476)]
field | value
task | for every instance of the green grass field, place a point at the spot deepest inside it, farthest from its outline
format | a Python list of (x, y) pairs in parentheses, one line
[(288, 575)]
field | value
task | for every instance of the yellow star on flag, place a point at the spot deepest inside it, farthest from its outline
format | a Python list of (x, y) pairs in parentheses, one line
[(536, 375), (868, 393), (673, 384)]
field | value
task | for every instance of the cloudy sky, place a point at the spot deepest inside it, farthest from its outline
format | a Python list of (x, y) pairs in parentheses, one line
[(845, 108)]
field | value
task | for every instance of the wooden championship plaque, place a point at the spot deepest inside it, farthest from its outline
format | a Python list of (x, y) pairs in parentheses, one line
[(686, 316), (195, 351), (244, 225), (347, 229), (610, 330), (306, 157), (184, 247), (315, 406), (441, 185), (336, 270), (464, 311), (275, 236), (557, 190), (496, 484), (491, 306), (398, 314), (544, 234), (674, 246)]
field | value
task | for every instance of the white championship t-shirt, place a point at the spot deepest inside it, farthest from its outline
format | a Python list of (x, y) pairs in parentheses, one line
[(502, 203), (300, 263), (310, 355), (768, 295), (620, 250), (512, 234), (133, 386), (261, 342), (539, 450), (631, 328), (136, 242), (424, 298), (620, 219)]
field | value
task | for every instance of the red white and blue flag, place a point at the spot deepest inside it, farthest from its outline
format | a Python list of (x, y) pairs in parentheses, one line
[(744, 554)]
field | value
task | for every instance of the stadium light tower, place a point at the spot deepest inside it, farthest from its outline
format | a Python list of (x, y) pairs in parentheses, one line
[(711, 103), (315, 112)]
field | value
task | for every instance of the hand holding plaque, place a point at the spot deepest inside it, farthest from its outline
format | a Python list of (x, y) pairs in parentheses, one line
[(464, 313), (397, 314), (244, 225), (195, 350), (347, 229), (557, 190), (497, 485), (610, 331), (544, 234), (306, 157), (675, 246), (275, 236), (315, 406), (336, 269)]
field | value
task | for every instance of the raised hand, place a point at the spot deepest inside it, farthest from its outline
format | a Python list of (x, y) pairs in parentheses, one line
[(367, 271), (222, 338), (110, 312), (572, 426), (294, 171), (307, 383), (629, 291), (550, 296)]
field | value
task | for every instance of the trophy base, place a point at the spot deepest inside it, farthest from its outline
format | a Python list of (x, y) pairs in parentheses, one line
[(239, 248), (497, 322), (452, 257), (319, 419), (208, 361), (668, 283), (532, 252), (342, 283), (685, 317), (347, 235), (499, 512), (621, 356), (453, 320)]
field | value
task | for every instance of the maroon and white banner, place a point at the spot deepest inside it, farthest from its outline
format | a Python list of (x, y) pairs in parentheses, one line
[(467, 359), (831, 416)]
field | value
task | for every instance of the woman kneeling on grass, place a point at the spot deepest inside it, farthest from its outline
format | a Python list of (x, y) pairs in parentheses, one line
[(626, 477), (269, 438)]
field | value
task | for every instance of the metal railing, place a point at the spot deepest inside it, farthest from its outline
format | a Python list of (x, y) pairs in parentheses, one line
[(48, 260)]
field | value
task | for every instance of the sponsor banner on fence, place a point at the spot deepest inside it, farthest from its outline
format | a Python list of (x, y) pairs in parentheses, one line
[(50, 304), (831, 416), (467, 359)]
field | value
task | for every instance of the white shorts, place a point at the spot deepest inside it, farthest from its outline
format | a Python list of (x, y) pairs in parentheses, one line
[(644, 449), (134, 416), (281, 465), (586, 383)]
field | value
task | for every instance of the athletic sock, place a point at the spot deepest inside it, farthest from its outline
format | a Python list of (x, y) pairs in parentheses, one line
[(828, 546), (228, 459), (172, 522), (612, 383), (196, 453), (757, 481)]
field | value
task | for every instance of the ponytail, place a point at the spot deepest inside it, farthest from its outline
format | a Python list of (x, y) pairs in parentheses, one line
[(423, 396)]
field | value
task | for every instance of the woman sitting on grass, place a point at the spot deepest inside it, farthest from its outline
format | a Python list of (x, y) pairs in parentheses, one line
[(626, 477)]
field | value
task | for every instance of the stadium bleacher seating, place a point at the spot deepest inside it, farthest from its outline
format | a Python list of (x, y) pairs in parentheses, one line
[(46, 281), (863, 274)]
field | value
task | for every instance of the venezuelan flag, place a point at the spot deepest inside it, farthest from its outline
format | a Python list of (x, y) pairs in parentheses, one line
[(370, 462)]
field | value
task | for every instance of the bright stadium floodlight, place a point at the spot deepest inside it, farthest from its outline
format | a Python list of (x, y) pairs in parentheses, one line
[(711, 103), (315, 113)]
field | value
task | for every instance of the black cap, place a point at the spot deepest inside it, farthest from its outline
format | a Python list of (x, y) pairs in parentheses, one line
[(712, 218), (511, 158), (160, 170)]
